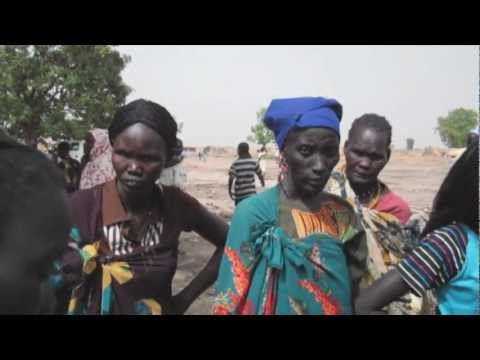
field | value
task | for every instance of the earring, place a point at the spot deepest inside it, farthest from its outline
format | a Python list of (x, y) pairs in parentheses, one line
[(283, 168)]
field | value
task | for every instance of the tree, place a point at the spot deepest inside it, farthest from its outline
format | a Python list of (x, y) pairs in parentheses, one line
[(260, 133), (410, 143), (60, 91), (454, 128)]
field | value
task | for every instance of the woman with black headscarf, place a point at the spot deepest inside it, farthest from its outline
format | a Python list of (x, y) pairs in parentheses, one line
[(126, 231)]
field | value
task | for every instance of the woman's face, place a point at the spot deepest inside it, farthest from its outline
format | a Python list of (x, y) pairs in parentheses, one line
[(366, 154), (139, 156), (311, 155)]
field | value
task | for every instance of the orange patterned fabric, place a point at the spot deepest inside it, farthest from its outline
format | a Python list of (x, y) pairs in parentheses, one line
[(325, 221)]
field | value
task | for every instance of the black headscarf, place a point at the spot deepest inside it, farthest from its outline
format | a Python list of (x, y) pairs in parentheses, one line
[(150, 114)]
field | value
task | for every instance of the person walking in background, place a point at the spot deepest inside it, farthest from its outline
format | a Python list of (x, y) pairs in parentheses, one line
[(242, 175)]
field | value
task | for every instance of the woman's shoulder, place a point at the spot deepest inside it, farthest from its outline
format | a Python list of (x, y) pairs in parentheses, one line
[(449, 242), (451, 234), (175, 199), (85, 197), (175, 193), (263, 198), (263, 204)]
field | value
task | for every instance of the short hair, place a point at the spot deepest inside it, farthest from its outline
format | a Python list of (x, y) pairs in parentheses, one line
[(150, 114), (373, 122), (243, 148)]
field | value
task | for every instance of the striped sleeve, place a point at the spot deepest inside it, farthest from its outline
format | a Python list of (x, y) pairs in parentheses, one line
[(232, 170), (438, 258)]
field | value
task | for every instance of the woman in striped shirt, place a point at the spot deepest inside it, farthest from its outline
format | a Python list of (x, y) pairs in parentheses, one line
[(447, 260)]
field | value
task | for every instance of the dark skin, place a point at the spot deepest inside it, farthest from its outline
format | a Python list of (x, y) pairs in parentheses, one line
[(366, 154), (231, 178), (139, 156), (388, 288), (311, 155)]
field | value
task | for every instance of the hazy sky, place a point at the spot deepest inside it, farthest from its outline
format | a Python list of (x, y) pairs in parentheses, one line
[(217, 90)]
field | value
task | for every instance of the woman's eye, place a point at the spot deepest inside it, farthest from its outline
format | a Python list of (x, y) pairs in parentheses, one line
[(305, 150)]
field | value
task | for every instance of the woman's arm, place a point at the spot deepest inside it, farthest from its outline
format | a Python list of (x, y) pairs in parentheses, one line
[(213, 229), (418, 272), (388, 288), (356, 253)]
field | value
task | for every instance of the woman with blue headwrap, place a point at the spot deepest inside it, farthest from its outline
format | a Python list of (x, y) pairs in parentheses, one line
[(295, 249)]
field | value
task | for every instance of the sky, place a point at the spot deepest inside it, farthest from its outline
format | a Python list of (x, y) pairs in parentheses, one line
[(216, 91)]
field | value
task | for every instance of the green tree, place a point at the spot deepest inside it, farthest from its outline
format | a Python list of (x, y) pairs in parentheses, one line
[(454, 128), (60, 91), (260, 133)]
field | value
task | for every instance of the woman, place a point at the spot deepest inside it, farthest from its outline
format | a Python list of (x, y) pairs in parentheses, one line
[(294, 249), (97, 165), (382, 212), (127, 230), (447, 259)]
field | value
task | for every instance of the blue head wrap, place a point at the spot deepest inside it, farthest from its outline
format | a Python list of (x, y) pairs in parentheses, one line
[(285, 114)]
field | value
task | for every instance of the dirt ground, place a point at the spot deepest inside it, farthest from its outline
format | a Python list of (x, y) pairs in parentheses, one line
[(414, 177)]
